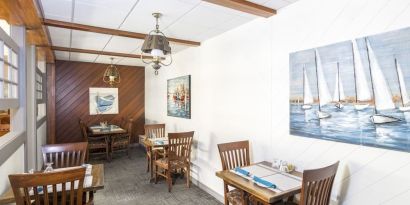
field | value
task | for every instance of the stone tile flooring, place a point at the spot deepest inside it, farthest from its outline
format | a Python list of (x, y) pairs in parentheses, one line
[(126, 182)]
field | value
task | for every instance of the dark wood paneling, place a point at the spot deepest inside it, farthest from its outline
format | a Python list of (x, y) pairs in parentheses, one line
[(51, 103), (72, 83)]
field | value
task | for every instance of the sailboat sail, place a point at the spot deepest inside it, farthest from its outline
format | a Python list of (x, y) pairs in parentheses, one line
[(324, 93), (308, 98), (339, 91), (404, 95), (363, 91), (382, 95)]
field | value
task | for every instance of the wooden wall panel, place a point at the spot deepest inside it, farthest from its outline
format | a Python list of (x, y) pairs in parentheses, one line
[(72, 83)]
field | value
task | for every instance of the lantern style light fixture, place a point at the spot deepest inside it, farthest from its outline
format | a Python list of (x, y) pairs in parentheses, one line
[(156, 45), (111, 74)]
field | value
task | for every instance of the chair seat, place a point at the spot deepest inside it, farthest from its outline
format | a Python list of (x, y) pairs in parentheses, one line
[(235, 197), (122, 142), (163, 163)]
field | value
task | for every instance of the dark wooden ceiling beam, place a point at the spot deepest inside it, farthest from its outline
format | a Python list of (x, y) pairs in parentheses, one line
[(82, 27), (245, 6), (106, 53)]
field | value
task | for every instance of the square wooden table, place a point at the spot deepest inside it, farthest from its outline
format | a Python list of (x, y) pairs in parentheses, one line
[(265, 195), (97, 130), (97, 184)]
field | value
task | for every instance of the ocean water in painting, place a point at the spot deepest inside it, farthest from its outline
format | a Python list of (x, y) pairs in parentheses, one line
[(355, 91), (350, 125)]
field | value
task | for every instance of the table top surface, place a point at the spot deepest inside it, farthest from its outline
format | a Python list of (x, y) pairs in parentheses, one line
[(98, 183), (267, 195), (111, 129), (157, 142)]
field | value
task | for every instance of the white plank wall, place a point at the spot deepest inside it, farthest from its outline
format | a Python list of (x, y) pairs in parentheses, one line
[(366, 175), (240, 91)]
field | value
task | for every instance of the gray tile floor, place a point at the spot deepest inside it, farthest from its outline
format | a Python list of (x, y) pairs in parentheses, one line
[(126, 182)]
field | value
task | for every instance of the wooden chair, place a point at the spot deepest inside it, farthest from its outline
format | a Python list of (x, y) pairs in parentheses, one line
[(234, 154), (152, 131), (65, 155), (317, 186), (122, 142), (94, 143), (53, 184), (178, 156)]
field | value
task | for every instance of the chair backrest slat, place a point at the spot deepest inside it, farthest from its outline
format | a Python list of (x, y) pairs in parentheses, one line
[(179, 146), (154, 130), (317, 185), (59, 154), (234, 154), (23, 183)]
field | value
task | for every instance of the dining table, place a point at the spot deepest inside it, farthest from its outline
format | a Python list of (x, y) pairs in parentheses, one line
[(109, 130), (287, 184), (97, 173)]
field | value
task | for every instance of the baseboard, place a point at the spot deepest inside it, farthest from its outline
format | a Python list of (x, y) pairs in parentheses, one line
[(208, 190)]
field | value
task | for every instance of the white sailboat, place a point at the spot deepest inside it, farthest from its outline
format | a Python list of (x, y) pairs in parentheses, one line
[(405, 107), (339, 91), (361, 86), (382, 96), (323, 90), (307, 93)]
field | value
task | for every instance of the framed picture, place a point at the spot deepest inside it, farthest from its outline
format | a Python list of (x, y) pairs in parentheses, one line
[(103, 101), (179, 97)]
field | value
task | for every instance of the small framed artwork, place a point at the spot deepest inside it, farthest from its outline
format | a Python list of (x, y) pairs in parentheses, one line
[(179, 97), (103, 101)]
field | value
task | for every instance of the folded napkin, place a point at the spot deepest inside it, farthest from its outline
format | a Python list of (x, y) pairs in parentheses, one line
[(159, 142), (242, 171), (264, 182)]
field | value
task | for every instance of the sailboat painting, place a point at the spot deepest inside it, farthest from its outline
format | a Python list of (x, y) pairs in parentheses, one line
[(355, 91), (103, 101)]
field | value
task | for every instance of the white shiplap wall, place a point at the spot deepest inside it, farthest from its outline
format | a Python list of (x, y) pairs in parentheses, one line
[(366, 175), (240, 91)]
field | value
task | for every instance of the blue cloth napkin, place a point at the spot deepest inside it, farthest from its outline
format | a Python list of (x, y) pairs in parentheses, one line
[(264, 182), (242, 171), (159, 142)]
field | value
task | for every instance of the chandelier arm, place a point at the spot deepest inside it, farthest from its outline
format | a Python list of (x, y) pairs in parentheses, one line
[(167, 63)]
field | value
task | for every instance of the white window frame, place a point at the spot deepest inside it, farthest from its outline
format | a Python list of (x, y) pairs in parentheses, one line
[(8, 103)]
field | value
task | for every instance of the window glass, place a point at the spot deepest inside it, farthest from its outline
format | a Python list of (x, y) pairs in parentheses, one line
[(5, 26)]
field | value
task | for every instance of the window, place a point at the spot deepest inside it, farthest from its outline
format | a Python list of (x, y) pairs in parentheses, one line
[(39, 86), (9, 80)]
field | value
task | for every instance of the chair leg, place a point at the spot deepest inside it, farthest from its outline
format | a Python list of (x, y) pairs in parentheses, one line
[(87, 157), (128, 151), (169, 180), (188, 176), (107, 153), (148, 163), (226, 190), (156, 175)]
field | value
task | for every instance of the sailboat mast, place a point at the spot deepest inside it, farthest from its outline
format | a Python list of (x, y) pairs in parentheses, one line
[(354, 71), (398, 80), (371, 77), (338, 81), (304, 73), (317, 82)]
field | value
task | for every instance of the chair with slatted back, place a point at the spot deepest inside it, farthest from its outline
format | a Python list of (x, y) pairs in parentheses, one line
[(121, 142), (317, 186), (153, 131), (65, 155), (95, 142), (178, 157), (57, 187), (234, 154)]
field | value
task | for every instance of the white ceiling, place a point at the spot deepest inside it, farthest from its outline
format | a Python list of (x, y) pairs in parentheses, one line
[(186, 19)]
